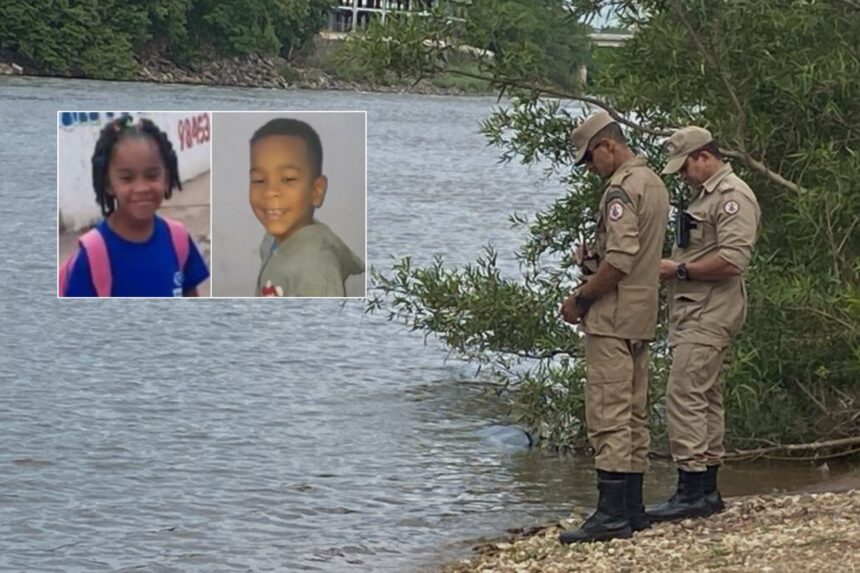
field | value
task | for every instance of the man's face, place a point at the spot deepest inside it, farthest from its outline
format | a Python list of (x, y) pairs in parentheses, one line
[(284, 190), (599, 158), (693, 170)]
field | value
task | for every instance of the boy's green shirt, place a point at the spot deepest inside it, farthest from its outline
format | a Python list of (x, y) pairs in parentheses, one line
[(311, 262)]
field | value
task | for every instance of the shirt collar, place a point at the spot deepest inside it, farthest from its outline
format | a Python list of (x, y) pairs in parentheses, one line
[(717, 177), (635, 161)]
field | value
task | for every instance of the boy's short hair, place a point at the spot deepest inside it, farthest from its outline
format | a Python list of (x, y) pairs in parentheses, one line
[(294, 128)]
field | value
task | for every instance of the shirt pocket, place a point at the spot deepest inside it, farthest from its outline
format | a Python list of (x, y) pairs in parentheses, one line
[(687, 307), (704, 233)]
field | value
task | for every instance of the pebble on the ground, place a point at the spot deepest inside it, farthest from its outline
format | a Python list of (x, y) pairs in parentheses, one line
[(767, 534)]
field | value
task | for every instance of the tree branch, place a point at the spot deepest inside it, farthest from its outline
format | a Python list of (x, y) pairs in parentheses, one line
[(825, 315), (848, 234), (740, 133), (753, 164), (742, 117), (522, 84), (761, 168), (812, 447)]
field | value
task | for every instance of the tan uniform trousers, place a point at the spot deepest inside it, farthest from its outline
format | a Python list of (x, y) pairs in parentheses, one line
[(616, 402), (694, 406)]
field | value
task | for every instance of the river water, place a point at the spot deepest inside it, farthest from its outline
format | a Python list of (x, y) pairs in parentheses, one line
[(204, 435)]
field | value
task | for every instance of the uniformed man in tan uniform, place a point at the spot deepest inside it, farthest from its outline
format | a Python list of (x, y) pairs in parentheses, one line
[(618, 309), (707, 306)]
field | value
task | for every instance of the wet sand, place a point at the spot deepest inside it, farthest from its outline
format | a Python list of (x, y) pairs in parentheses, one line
[(191, 206)]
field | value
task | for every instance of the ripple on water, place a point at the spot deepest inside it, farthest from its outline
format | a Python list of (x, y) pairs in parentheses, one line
[(214, 435)]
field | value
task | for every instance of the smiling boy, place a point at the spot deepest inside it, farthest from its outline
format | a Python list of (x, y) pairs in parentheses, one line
[(301, 256)]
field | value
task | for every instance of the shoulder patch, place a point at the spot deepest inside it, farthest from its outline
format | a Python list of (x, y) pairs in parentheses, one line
[(616, 210), (731, 207), (615, 192)]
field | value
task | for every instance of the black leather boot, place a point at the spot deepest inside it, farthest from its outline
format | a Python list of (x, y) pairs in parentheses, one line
[(712, 493), (688, 500), (610, 519), (633, 502)]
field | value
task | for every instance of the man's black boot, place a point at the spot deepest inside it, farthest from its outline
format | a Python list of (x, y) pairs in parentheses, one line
[(633, 501), (688, 500), (711, 491), (610, 519)]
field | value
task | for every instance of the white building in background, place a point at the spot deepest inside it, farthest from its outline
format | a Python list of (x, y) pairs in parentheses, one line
[(350, 15)]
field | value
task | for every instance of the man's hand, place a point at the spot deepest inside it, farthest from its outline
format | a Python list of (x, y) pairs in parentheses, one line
[(570, 311), (668, 267)]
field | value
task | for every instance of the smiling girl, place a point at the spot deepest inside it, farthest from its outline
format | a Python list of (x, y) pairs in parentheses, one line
[(133, 252)]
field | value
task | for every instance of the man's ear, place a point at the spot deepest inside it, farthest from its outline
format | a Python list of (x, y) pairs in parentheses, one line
[(320, 187)]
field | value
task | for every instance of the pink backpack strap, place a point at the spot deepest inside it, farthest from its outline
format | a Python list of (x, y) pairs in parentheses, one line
[(179, 236), (97, 255)]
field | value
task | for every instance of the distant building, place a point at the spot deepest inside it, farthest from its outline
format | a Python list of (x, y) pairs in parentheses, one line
[(350, 15)]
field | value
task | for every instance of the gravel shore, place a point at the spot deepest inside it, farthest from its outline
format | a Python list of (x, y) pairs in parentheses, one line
[(763, 533)]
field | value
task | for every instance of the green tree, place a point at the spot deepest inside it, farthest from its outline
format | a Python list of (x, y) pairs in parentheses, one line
[(89, 38), (100, 39), (257, 26), (778, 83)]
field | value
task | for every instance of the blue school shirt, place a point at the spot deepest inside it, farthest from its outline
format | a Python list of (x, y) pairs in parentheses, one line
[(140, 269)]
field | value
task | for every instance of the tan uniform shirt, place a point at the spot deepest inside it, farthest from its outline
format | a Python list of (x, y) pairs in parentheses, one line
[(727, 216), (631, 226)]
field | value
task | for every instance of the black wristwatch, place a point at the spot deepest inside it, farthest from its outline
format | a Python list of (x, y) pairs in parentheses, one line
[(682, 273), (582, 302)]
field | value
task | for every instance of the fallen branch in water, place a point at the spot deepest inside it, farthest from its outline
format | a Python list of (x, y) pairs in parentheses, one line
[(842, 445)]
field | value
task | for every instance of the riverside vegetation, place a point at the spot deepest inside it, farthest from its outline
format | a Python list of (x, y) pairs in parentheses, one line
[(778, 83), (251, 43)]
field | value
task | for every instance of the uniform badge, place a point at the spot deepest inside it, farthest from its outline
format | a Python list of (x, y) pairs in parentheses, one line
[(731, 207), (616, 211), (271, 290)]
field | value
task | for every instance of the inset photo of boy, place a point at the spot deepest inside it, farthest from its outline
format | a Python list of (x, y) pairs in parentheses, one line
[(133, 204), (289, 204)]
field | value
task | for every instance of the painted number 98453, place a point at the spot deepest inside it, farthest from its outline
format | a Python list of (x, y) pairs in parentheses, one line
[(193, 130)]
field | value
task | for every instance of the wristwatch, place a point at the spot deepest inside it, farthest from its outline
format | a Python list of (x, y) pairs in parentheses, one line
[(582, 302), (682, 273)]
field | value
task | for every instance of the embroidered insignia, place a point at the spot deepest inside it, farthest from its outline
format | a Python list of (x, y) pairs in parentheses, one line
[(616, 211), (731, 207)]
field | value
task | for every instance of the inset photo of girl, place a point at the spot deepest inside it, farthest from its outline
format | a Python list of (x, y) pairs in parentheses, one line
[(133, 204), (289, 204)]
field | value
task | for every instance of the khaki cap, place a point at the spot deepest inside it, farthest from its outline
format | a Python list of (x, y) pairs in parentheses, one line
[(581, 136), (682, 143)]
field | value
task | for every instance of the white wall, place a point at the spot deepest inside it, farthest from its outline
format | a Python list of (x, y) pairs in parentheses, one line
[(76, 140)]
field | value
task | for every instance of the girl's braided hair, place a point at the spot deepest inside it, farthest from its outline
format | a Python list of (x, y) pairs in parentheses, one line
[(114, 132)]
